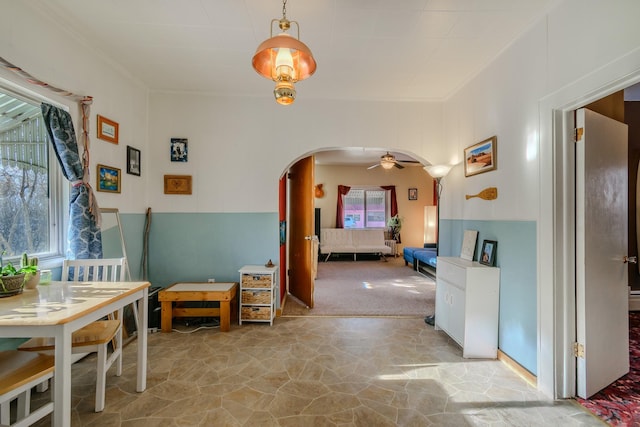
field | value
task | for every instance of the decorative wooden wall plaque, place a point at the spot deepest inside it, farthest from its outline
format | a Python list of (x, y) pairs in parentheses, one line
[(177, 184)]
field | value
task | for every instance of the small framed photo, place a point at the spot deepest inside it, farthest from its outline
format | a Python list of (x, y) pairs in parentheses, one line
[(469, 240), (488, 253), (179, 149), (107, 129), (108, 179), (413, 194), (481, 157), (177, 184), (133, 161)]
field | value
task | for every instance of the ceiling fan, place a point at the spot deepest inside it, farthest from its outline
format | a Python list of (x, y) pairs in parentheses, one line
[(388, 161)]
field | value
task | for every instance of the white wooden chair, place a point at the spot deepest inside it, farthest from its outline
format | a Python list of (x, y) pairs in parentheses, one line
[(95, 337), (20, 373)]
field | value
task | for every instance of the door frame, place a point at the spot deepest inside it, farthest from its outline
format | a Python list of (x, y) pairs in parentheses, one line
[(556, 255)]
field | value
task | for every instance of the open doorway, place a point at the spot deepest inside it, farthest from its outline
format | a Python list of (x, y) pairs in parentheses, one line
[(354, 168), (562, 253), (605, 399)]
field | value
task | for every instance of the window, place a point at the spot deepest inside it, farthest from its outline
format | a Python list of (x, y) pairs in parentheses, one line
[(29, 187), (365, 208)]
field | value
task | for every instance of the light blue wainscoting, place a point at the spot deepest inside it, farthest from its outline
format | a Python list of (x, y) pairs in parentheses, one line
[(516, 258), (199, 246), (132, 230), (191, 247)]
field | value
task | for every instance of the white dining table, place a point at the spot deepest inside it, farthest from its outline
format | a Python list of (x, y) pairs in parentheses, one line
[(58, 309)]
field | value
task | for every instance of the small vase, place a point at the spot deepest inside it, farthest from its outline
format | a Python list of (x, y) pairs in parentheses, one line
[(32, 280)]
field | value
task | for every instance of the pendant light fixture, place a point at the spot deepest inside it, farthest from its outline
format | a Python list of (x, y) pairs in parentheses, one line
[(284, 59)]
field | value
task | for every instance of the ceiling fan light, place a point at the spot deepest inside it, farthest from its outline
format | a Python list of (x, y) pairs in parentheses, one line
[(387, 164)]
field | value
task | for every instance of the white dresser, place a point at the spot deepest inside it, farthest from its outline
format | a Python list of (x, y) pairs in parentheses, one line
[(258, 293), (467, 305)]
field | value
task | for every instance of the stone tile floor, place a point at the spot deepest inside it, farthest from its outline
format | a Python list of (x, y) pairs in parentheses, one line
[(316, 371)]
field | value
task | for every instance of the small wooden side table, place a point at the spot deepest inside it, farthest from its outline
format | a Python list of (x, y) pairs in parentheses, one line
[(224, 293)]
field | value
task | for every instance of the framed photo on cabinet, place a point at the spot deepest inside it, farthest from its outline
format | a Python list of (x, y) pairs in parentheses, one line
[(488, 253)]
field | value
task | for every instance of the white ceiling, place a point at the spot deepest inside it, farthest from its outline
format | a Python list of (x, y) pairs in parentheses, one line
[(365, 49)]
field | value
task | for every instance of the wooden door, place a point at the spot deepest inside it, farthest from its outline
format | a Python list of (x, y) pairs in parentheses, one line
[(602, 317), (301, 230)]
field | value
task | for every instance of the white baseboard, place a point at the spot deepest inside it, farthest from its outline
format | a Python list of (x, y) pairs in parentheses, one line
[(634, 301)]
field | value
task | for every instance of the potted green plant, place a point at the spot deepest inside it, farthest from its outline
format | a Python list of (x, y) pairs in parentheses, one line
[(395, 224), (30, 267), (12, 279)]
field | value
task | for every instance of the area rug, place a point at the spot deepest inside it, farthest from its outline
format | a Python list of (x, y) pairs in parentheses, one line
[(619, 403), (366, 288)]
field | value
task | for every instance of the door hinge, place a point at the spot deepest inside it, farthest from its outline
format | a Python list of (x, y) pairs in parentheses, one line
[(578, 350), (577, 134)]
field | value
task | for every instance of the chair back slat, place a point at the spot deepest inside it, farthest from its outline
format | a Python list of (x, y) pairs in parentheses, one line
[(99, 270)]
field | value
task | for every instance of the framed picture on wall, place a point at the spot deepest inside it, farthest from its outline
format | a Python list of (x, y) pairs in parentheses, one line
[(108, 179), (413, 194), (177, 184), (488, 253), (133, 161), (481, 157), (107, 129), (179, 149)]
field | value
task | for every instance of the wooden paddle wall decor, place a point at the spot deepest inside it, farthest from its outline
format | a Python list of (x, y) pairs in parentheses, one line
[(490, 193)]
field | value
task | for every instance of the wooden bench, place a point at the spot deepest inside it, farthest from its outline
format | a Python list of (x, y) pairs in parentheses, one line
[(20, 373), (224, 293)]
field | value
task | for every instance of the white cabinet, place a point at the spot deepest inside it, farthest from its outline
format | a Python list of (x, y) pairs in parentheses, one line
[(467, 305), (257, 293)]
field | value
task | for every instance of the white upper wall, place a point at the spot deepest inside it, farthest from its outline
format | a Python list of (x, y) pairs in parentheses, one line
[(577, 38), (501, 101), (583, 48), (239, 148), (32, 42)]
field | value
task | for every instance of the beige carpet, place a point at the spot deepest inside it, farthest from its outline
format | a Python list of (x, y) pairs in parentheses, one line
[(367, 288)]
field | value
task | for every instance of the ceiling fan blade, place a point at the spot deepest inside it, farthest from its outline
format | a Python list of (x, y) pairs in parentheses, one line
[(373, 166), (398, 165)]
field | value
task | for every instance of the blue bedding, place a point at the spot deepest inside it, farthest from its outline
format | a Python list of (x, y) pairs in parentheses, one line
[(420, 257)]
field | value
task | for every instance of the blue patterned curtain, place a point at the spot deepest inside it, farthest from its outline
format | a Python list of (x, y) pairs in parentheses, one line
[(84, 237)]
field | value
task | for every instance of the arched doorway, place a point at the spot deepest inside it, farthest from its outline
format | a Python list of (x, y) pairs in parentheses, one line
[(353, 166)]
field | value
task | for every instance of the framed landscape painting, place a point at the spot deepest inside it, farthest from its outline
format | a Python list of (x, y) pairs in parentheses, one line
[(108, 179), (481, 157)]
